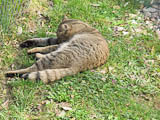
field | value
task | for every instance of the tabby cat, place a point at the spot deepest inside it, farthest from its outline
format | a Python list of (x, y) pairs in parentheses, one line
[(78, 47)]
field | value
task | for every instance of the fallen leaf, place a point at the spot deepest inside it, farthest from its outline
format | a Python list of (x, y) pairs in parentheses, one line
[(51, 33), (133, 22), (153, 51), (19, 30), (61, 114), (95, 5), (116, 7), (125, 33), (158, 34), (158, 57), (72, 96), (102, 71), (148, 62), (118, 28), (73, 118), (126, 4), (111, 68), (5, 105), (103, 79), (93, 116), (132, 15), (66, 108)]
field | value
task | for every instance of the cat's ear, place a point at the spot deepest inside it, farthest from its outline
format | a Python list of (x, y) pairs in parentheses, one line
[(65, 18), (65, 26)]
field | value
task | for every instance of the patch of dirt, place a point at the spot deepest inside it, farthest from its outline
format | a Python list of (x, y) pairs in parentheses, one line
[(156, 102), (34, 16), (151, 101)]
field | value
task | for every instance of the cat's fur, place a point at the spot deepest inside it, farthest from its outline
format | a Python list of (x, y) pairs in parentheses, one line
[(78, 47)]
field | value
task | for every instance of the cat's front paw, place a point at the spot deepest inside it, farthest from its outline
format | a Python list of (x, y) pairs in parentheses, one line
[(10, 74), (28, 43)]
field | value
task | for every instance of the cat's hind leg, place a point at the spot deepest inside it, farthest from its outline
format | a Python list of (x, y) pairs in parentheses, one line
[(49, 75)]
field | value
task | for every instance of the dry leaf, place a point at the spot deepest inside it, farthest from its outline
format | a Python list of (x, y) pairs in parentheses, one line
[(126, 4), (158, 57), (73, 118), (93, 116), (103, 79), (158, 34), (32, 26), (66, 108), (116, 7), (72, 96), (153, 51), (125, 33), (5, 105), (61, 114), (132, 15), (118, 28), (134, 22), (19, 32), (95, 5), (102, 71), (148, 62), (111, 68)]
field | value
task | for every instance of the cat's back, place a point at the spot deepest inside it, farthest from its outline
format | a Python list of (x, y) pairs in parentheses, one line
[(88, 50), (93, 42)]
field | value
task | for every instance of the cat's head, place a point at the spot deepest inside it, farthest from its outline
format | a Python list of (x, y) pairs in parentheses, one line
[(70, 27)]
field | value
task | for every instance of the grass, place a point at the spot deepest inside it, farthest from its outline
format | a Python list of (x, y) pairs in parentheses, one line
[(9, 10), (125, 88)]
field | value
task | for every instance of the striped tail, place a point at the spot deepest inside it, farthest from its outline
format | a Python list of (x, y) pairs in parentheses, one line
[(49, 75)]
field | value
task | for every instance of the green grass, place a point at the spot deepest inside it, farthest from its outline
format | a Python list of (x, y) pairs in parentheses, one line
[(9, 11), (129, 90)]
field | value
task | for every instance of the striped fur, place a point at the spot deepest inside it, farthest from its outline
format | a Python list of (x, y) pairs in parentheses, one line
[(78, 47)]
